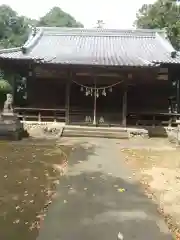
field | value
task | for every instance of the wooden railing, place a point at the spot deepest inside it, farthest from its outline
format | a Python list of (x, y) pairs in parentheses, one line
[(152, 118), (138, 118), (78, 115), (41, 114)]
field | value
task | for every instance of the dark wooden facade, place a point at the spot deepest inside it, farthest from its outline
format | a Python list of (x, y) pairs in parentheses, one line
[(54, 92)]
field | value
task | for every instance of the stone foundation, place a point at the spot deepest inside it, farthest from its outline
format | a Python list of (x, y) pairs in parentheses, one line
[(167, 132), (54, 130), (137, 132), (43, 129), (174, 135), (10, 127)]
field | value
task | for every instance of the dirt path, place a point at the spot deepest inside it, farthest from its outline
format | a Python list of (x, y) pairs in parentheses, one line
[(98, 198), (28, 176), (156, 164)]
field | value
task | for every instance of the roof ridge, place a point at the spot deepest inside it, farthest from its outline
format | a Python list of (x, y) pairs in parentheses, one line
[(101, 35), (99, 31), (165, 42), (103, 29), (32, 40)]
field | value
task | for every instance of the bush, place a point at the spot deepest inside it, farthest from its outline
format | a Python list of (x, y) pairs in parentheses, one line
[(5, 88)]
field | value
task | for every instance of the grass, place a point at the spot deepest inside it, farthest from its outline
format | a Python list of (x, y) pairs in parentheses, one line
[(28, 177)]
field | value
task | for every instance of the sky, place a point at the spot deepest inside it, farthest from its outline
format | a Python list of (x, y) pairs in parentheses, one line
[(114, 13)]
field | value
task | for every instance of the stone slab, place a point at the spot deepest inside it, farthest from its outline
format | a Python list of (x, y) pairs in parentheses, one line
[(10, 126)]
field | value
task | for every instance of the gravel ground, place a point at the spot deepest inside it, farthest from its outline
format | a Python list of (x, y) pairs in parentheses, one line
[(157, 164)]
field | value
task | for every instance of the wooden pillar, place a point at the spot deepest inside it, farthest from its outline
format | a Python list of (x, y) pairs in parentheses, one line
[(178, 95), (67, 103), (13, 86), (124, 105), (95, 104), (30, 77)]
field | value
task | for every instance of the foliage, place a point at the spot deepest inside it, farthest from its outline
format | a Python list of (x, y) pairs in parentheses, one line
[(5, 88), (163, 14), (58, 18), (14, 29)]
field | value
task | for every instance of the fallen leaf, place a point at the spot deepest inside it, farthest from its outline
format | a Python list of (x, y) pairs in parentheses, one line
[(49, 193), (121, 190), (49, 202), (56, 182), (16, 221), (41, 216), (33, 226)]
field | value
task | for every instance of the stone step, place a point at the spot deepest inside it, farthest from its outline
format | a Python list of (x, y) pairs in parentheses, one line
[(94, 132), (97, 129)]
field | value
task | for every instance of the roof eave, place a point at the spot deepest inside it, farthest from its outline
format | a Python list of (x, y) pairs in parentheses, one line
[(168, 62), (150, 65), (10, 50)]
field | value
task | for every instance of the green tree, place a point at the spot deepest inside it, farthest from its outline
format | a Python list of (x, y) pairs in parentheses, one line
[(56, 17), (13, 28), (163, 14), (5, 88)]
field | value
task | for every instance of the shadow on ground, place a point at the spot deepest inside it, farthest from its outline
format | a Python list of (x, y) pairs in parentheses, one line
[(92, 204), (27, 183)]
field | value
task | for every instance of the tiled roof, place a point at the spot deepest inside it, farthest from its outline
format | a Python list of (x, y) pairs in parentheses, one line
[(96, 47)]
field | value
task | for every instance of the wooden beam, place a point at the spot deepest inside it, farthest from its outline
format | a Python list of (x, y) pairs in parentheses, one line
[(67, 103), (99, 74)]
